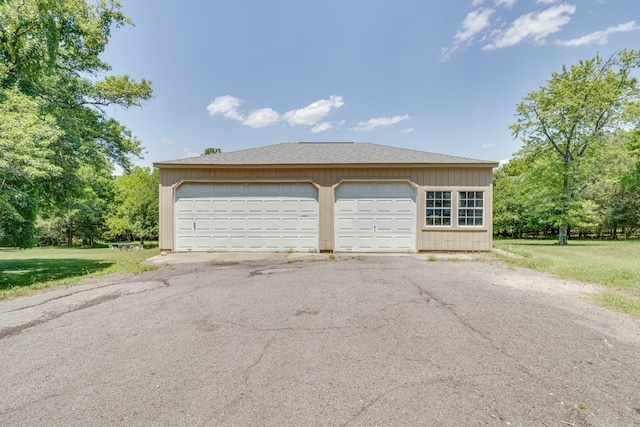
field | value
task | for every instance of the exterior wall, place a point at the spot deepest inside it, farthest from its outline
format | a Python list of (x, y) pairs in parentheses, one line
[(453, 238)]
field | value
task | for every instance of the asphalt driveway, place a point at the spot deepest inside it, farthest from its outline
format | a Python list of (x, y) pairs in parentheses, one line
[(287, 339)]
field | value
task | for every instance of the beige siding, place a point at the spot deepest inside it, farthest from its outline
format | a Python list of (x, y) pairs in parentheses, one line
[(326, 179)]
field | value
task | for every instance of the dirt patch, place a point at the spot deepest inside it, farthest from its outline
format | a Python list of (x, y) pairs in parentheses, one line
[(223, 263)]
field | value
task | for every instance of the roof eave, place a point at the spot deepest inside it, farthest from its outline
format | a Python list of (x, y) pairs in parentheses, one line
[(168, 165)]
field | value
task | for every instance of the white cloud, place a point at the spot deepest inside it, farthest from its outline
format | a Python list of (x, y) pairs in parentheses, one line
[(406, 131), (226, 106), (546, 1), (261, 118), (313, 113), (599, 37), (379, 122), (167, 141), (487, 145), (321, 127), (446, 52), (505, 3), (504, 162), (533, 25), (473, 23)]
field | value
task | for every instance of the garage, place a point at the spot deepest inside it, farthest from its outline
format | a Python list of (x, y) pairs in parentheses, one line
[(325, 197), (375, 217), (246, 217)]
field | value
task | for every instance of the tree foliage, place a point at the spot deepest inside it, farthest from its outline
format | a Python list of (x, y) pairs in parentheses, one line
[(563, 124), (54, 94), (134, 213), (524, 204)]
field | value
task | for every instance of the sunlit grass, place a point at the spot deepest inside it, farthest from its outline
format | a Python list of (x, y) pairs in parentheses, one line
[(615, 264), (23, 272)]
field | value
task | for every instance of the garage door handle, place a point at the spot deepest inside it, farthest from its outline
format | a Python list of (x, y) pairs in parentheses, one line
[(194, 226)]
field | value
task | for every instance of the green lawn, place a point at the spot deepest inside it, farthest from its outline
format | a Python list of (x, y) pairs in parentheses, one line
[(25, 271), (614, 264)]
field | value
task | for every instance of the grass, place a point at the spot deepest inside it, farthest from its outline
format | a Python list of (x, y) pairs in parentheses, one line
[(614, 264), (23, 272)]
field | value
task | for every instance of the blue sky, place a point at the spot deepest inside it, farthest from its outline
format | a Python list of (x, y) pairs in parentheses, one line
[(440, 76)]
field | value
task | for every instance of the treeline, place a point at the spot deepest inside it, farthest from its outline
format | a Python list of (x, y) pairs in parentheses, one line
[(58, 143), (526, 204), (122, 208), (578, 172)]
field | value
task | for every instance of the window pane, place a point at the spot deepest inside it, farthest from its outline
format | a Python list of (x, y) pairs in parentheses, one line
[(470, 208), (435, 201)]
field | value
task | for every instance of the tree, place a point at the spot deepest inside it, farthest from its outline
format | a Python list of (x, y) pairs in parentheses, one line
[(26, 148), (211, 150), (563, 122), (135, 211), (54, 94)]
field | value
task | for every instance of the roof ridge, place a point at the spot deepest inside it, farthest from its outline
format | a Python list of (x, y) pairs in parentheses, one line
[(326, 153)]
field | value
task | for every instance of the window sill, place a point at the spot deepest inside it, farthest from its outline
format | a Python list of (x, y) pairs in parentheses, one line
[(456, 229)]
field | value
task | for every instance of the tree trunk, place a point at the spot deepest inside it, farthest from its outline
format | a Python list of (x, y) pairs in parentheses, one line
[(563, 233)]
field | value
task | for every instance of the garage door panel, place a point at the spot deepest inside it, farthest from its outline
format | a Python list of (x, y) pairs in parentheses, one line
[(404, 225), (255, 224), (385, 207), (246, 217), (271, 206), (186, 206), (184, 224), (363, 224), (385, 225), (308, 225), (309, 207), (375, 217), (203, 224)]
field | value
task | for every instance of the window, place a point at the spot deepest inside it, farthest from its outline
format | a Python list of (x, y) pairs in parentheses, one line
[(438, 208), (470, 207)]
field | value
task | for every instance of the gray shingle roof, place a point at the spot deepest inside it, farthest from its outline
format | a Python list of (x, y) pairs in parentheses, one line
[(324, 153)]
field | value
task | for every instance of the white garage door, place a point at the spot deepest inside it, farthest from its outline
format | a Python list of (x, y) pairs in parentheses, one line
[(246, 217), (378, 217)]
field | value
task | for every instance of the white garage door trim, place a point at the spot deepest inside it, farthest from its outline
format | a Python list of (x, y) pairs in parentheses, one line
[(375, 217), (246, 217)]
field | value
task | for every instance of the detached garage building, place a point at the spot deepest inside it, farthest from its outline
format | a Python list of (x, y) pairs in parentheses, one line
[(342, 197)]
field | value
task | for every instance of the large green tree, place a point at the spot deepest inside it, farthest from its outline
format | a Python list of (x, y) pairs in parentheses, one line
[(562, 124), (134, 213), (54, 94)]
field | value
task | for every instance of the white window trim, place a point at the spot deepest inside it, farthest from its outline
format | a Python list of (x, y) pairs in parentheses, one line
[(451, 208), (484, 210)]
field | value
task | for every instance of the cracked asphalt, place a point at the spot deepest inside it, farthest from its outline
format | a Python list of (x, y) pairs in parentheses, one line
[(291, 340)]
